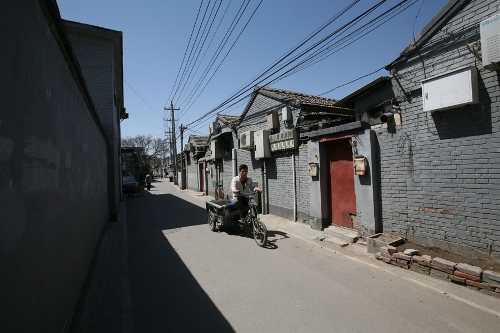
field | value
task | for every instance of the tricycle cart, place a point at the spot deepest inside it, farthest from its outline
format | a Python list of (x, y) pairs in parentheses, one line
[(222, 213)]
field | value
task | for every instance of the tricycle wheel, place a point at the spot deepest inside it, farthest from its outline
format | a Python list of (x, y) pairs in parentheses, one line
[(259, 233), (212, 224)]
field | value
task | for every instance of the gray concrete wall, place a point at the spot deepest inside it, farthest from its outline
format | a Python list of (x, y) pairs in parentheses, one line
[(53, 181), (95, 56), (440, 180), (192, 174), (318, 185), (366, 186)]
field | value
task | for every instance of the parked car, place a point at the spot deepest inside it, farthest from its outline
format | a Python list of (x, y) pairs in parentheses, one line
[(130, 185)]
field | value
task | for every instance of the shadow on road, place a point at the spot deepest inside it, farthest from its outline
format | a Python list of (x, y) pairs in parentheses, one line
[(165, 295)]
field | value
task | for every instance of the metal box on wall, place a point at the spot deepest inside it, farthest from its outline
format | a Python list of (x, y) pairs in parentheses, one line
[(490, 42), (261, 140), (272, 120), (450, 90), (286, 114)]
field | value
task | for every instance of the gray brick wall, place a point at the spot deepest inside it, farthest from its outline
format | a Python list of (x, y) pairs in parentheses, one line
[(440, 180), (95, 57), (53, 178), (279, 182)]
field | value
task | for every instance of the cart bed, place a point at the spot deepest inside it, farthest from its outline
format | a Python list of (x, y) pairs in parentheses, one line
[(217, 206)]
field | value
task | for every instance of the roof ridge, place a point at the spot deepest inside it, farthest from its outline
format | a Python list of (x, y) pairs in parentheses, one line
[(276, 90)]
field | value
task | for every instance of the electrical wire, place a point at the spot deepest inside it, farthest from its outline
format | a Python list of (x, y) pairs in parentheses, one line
[(229, 31), (145, 122), (196, 48), (347, 83), (297, 46), (246, 89), (221, 46), (229, 51), (188, 62), (332, 48), (204, 38), (206, 51), (185, 53), (142, 98)]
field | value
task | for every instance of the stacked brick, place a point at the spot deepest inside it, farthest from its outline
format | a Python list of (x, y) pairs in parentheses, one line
[(460, 273)]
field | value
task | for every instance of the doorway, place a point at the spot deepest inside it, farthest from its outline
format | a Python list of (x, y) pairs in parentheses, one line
[(342, 201), (202, 177)]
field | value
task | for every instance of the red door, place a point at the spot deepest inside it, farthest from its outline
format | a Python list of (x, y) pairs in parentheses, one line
[(342, 195)]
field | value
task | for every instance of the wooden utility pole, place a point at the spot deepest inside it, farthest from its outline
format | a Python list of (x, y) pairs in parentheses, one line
[(171, 108), (183, 175), (170, 146)]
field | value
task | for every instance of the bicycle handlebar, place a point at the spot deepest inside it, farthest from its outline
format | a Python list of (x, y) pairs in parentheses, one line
[(254, 192)]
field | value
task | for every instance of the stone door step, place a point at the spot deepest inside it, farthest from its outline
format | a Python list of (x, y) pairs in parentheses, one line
[(335, 241), (348, 235)]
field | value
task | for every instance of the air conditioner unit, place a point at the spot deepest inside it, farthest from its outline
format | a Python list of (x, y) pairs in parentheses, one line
[(262, 147), (246, 140), (490, 42), (286, 114), (272, 120)]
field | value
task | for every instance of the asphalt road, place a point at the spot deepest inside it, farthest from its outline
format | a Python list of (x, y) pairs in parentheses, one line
[(186, 278)]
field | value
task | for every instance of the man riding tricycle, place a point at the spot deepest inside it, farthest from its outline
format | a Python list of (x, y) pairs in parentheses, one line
[(241, 211)]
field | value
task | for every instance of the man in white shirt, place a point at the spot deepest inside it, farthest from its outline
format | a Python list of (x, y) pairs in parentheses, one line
[(242, 184)]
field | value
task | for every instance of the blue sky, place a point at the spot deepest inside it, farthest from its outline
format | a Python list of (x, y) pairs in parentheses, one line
[(156, 35)]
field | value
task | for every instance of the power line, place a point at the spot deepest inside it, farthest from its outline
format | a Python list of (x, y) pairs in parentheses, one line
[(303, 42), (250, 86), (208, 47), (345, 84), (188, 63), (144, 122), (237, 38), (309, 49), (343, 42), (141, 98), (185, 52), (219, 50), (199, 48)]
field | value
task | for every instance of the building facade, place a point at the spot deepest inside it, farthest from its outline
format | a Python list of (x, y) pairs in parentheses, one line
[(100, 54), (54, 180), (440, 179)]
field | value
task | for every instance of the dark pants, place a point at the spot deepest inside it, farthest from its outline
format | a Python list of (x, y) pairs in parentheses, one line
[(149, 186), (243, 206)]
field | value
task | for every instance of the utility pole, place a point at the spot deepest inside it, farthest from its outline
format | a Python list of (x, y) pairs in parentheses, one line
[(170, 148), (183, 176), (171, 108)]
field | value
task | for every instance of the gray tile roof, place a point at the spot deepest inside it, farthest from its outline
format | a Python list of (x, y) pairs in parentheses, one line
[(200, 141), (228, 120), (298, 98)]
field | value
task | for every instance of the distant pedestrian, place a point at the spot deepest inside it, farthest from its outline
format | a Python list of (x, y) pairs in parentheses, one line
[(148, 181)]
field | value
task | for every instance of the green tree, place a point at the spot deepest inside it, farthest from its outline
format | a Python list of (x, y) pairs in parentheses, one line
[(152, 148)]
